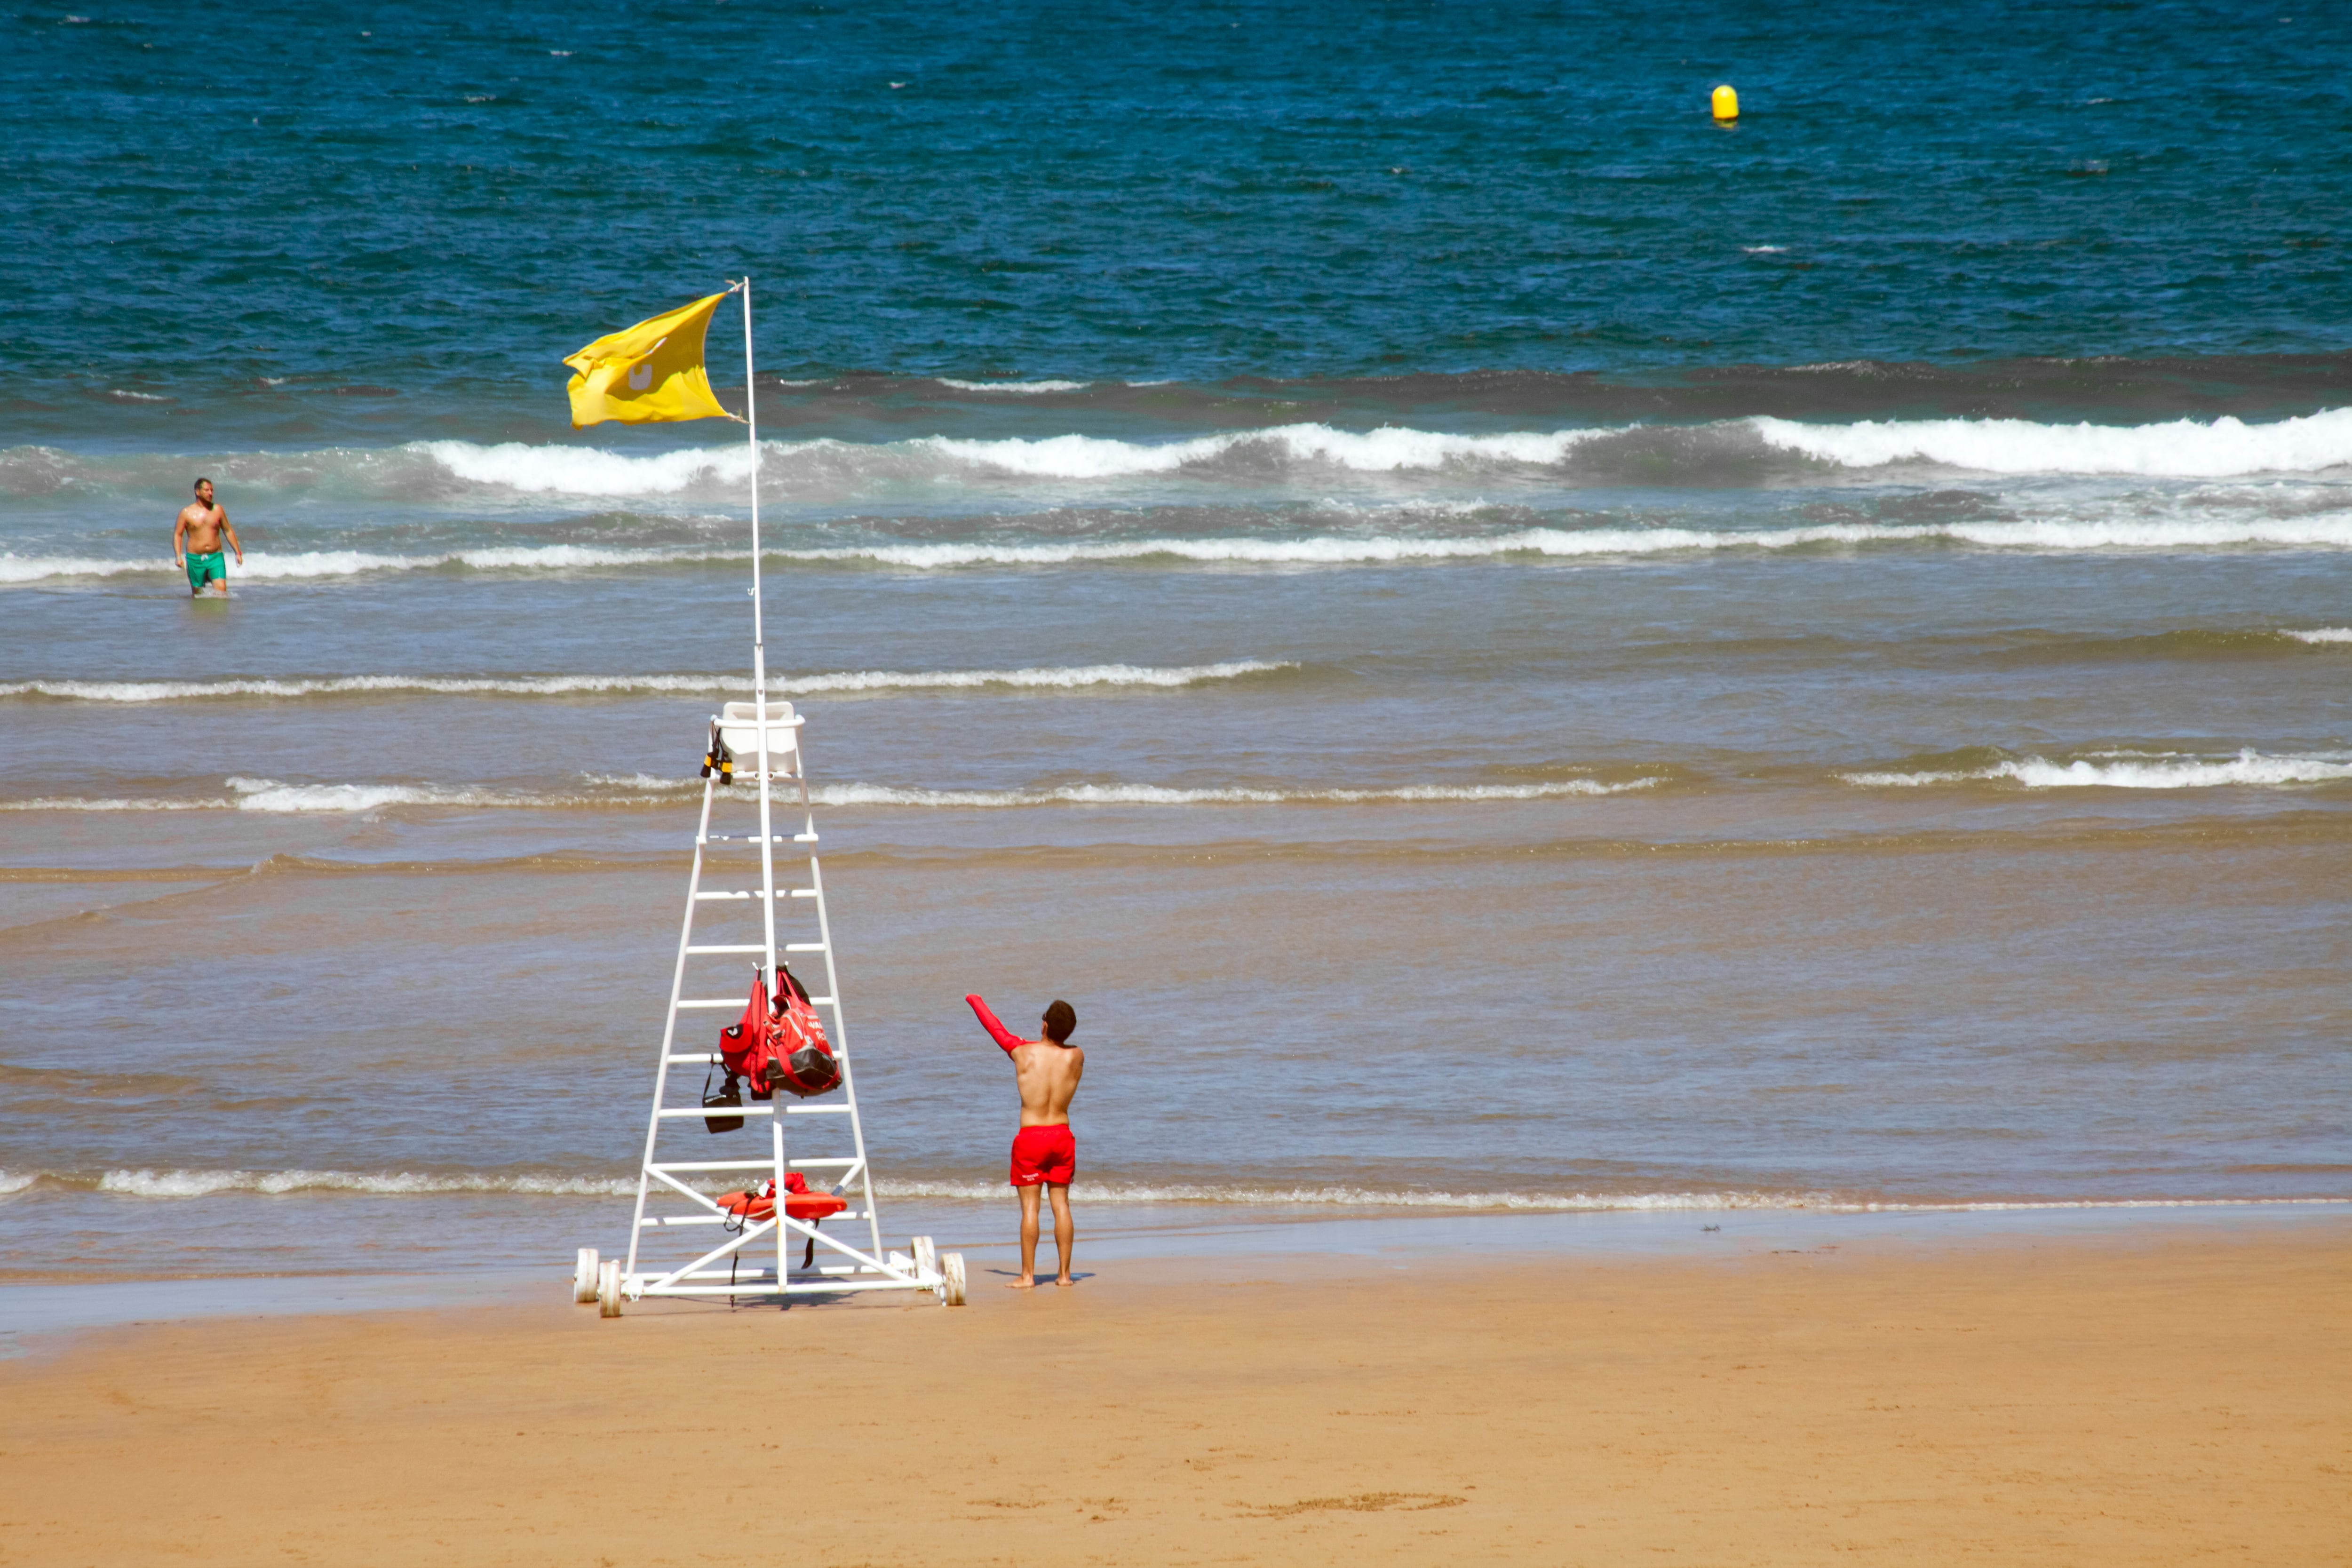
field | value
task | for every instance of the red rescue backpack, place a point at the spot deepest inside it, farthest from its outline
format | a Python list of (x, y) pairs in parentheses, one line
[(796, 1038), (784, 1048), (744, 1045)]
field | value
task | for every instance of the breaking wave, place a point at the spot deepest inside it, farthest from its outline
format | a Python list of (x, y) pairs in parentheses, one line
[(588, 471), (1154, 794), (274, 796), (2321, 531), (1561, 1202), (2324, 634), (1016, 388), (2124, 770), (261, 565), (180, 1184), (840, 682), (2220, 447), (610, 791), (150, 1183), (1134, 1192), (2178, 448)]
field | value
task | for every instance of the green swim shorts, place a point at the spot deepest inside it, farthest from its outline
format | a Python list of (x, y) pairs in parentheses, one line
[(207, 568)]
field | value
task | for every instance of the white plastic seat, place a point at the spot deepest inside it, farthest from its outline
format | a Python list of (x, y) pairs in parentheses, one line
[(738, 726)]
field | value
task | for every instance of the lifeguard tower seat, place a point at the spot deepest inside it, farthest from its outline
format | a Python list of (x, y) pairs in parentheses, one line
[(738, 727)]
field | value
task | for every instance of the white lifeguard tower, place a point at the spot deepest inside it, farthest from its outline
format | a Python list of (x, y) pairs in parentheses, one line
[(682, 1242)]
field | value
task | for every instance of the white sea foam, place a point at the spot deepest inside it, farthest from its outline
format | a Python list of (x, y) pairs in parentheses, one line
[(1565, 1203), (151, 1183), (860, 681), (2324, 634), (270, 796), (1018, 388), (587, 470), (2218, 448), (2318, 532), (2128, 771), (1069, 678), (2332, 532), (261, 565), (183, 1184), (625, 790), (1386, 450), (2178, 448), (1155, 794), (647, 784), (1369, 1197), (2186, 448), (1150, 794), (17, 568)]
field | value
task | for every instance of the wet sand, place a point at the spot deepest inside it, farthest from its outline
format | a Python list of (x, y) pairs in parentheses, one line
[(2066, 1401)]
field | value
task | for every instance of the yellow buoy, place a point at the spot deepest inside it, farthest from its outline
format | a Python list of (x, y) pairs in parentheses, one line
[(1725, 102)]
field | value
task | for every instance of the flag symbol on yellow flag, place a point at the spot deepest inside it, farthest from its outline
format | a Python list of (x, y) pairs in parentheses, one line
[(649, 372)]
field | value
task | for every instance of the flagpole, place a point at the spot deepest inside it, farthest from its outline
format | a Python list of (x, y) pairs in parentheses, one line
[(760, 677), (751, 435)]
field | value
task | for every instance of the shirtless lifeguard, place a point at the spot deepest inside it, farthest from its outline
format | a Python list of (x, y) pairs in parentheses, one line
[(1045, 1152), (196, 543)]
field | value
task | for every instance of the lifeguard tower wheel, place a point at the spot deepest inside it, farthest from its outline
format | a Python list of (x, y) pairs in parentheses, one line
[(952, 1284)]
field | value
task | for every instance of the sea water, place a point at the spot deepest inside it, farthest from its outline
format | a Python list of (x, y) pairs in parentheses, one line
[(1506, 645)]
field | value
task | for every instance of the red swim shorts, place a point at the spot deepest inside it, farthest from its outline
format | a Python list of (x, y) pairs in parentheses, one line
[(1044, 1154)]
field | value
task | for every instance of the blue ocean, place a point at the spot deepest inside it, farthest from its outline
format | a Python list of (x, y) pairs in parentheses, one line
[(1507, 645)]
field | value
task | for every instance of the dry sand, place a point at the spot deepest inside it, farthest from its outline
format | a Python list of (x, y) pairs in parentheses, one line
[(2067, 1402)]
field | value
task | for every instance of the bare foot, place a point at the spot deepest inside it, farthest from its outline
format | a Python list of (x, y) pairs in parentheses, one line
[(1066, 1281), (1020, 1285)]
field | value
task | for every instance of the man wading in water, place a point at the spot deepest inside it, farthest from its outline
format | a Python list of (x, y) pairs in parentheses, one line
[(1043, 1152), (196, 543)]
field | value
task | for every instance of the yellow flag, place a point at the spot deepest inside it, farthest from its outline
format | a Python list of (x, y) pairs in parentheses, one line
[(649, 372)]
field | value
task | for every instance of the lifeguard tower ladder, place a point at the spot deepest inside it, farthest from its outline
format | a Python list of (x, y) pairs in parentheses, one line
[(681, 1241), (675, 1223)]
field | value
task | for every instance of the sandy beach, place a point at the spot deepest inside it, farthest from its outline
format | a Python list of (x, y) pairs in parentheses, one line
[(1667, 690), (2114, 1399)]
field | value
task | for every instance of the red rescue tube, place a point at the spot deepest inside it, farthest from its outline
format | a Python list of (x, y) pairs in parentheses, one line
[(799, 1203)]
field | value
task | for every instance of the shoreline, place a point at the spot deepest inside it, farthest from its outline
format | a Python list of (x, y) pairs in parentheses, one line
[(37, 1309), (2139, 1396)]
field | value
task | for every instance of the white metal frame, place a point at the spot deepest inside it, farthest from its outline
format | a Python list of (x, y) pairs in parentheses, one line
[(844, 1267), (717, 1272)]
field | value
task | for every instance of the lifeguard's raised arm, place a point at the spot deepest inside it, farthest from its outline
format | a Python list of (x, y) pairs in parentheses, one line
[(996, 1031)]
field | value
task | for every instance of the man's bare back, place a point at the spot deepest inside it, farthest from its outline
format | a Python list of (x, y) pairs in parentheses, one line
[(1045, 1151), (1047, 1077)]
